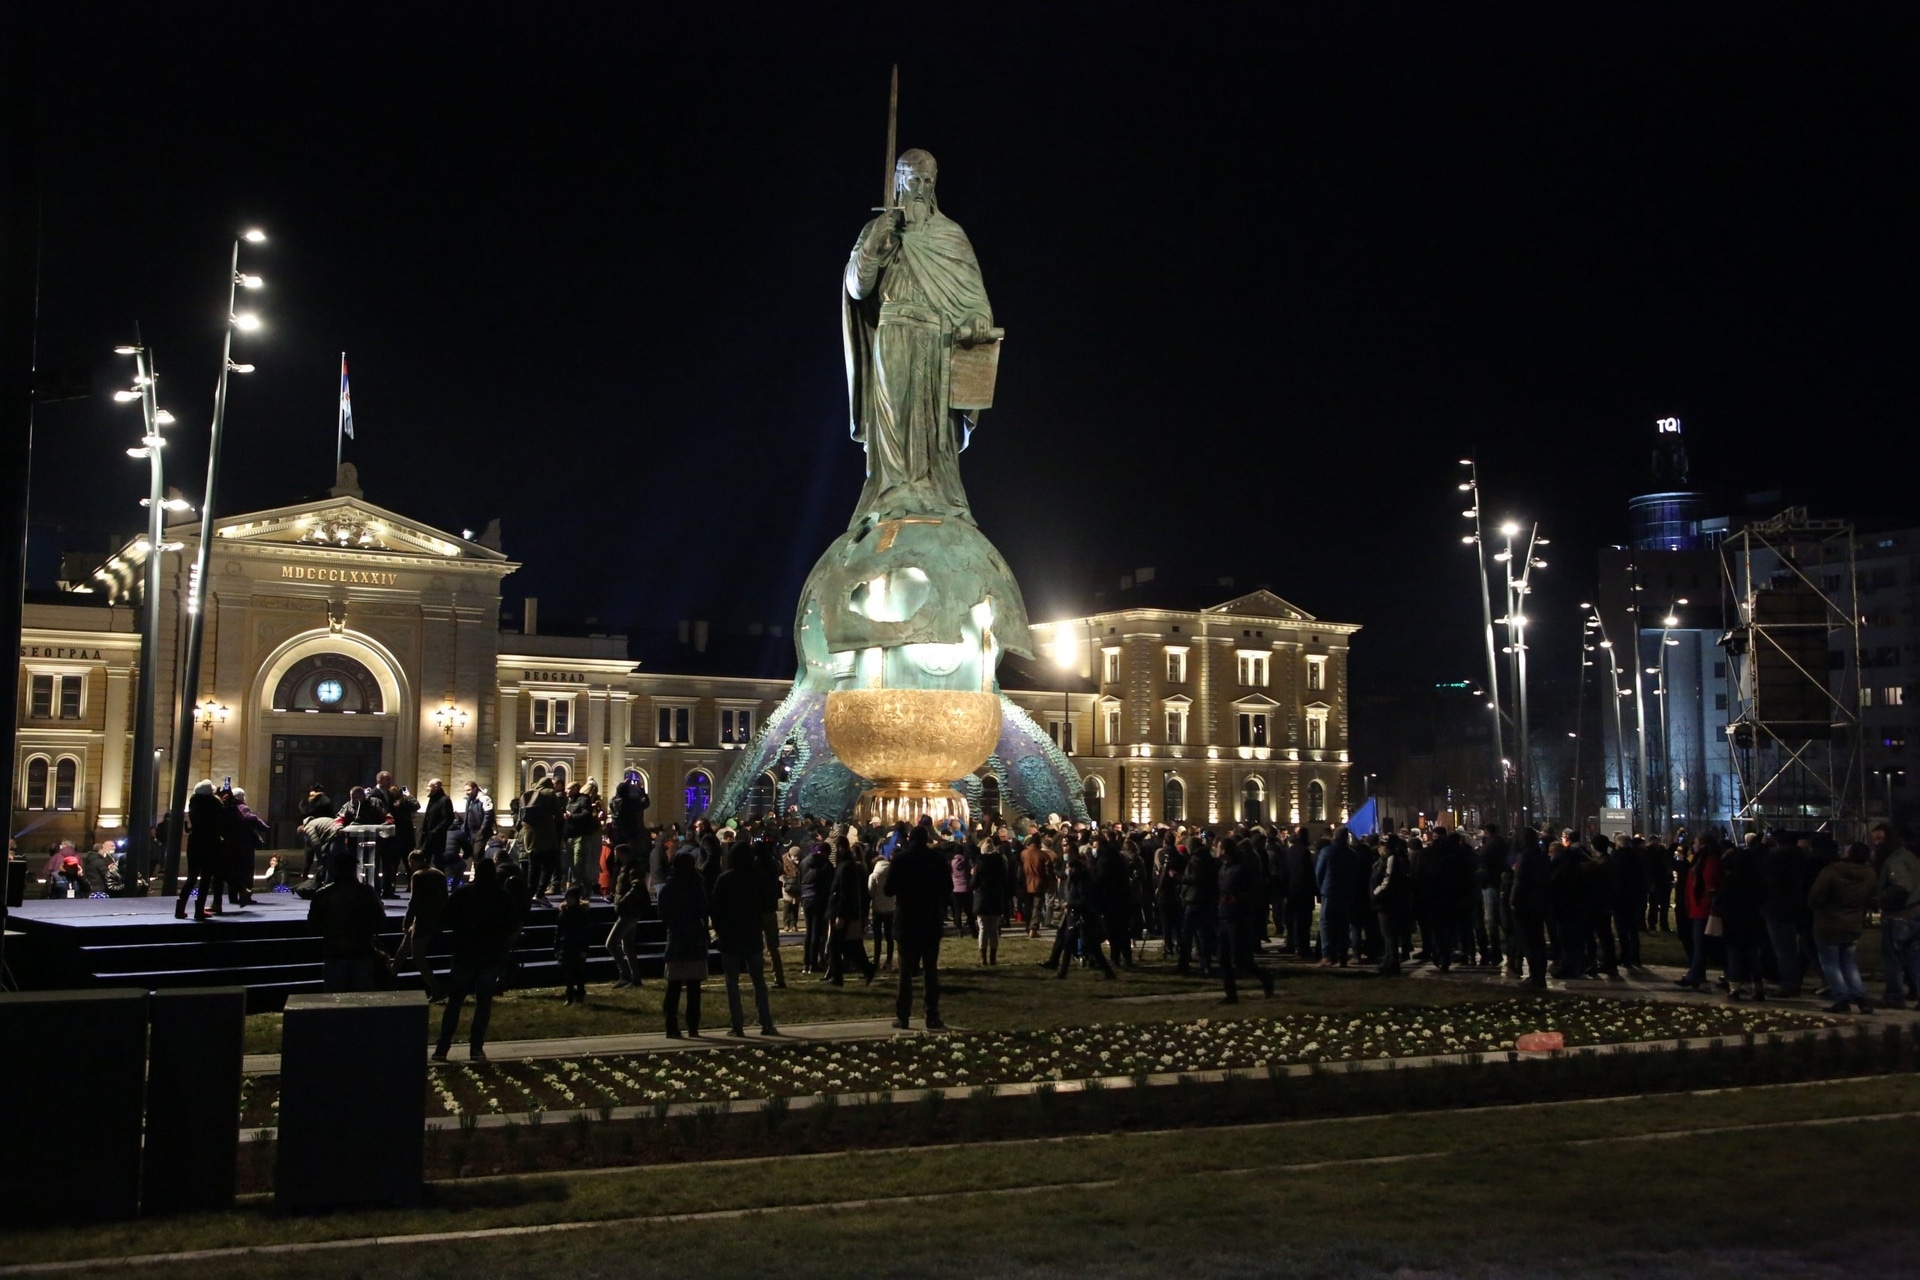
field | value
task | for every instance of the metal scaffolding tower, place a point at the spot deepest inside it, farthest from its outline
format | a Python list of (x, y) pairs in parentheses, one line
[(1793, 673)]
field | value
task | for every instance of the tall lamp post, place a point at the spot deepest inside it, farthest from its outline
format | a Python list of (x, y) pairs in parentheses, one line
[(1597, 626), (1668, 622), (1471, 485), (197, 584), (140, 815), (1518, 589), (1889, 778)]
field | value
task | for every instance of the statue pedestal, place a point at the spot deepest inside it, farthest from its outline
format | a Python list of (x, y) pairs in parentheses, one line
[(912, 743), (908, 802)]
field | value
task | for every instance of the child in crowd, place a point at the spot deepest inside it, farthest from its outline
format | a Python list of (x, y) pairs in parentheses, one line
[(572, 936)]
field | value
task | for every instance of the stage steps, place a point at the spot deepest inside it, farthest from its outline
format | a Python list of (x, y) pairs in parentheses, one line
[(269, 952)]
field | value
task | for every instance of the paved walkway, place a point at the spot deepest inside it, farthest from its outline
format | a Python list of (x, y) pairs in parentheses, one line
[(267, 1064)]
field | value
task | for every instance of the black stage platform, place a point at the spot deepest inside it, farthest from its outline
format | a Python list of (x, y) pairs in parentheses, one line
[(266, 947)]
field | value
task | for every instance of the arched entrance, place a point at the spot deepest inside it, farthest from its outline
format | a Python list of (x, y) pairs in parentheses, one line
[(1092, 791), (1253, 800)]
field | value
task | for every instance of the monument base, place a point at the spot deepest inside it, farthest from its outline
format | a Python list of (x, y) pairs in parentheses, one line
[(894, 801)]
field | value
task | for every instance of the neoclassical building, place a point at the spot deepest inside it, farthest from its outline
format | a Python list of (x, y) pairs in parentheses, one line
[(344, 638)]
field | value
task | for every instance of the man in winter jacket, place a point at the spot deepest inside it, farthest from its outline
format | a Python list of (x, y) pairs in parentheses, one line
[(921, 881), (1531, 900), (1899, 882)]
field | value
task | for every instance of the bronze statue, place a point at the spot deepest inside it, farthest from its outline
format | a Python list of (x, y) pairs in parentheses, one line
[(921, 350)]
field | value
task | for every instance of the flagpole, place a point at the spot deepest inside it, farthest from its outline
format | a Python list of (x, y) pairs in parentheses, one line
[(339, 426)]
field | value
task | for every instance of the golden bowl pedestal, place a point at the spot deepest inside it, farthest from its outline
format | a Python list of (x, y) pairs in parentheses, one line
[(912, 744)]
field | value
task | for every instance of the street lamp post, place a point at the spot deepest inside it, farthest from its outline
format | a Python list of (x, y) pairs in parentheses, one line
[(1518, 589), (197, 584), (140, 816), (1668, 622), (1472, 485), (1598, 626)]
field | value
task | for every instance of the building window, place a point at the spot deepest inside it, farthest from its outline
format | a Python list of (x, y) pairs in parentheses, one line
[(1253, 729), (1112, 664), (1894, 696), (1113, 727), (1061, 731), (736, 725), (990, 795), (699, 792), (1316, 733), (1253, 670), (1316, 673), (552, 716), (1174, 800), (1719, 671), (676, 726), (1176, 666), (1176, 726), (1719, 702), (49, 695), (1316, 801), (66, 782), (38, 770), (1894, 738)]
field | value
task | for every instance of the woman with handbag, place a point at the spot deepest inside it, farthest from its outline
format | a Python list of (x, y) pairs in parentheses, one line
[(1703, 922)]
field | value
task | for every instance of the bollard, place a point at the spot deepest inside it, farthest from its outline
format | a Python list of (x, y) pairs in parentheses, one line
[(193, 1099), (353, 1101), (72, 1068)]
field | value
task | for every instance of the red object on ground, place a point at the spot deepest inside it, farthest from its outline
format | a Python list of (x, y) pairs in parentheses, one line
[(1540, 1042)]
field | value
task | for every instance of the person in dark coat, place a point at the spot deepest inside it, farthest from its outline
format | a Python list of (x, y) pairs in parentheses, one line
[(847, 916), (1743, 892), (206, 824), (1391, 892), (1600, 885), (1784, 873), (436, 820), (240, 840), (1839, 899), (426, 907), (1172, 873), (1567, 907), (628, 810), (349, 918), (632, 903), (1113, 885), (816, 885), (739, 905), (1297, 857), (1082, 928), (920, 882), (572, 937), (1531, 900), (1656, 859), (684, 910), (541, 813), (1240, 905), (1199, 908), (398, 843), (1629, 900), (482, 921), (991, 899)]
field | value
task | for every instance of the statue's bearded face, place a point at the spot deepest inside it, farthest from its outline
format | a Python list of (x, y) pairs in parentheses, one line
[(913, 186)]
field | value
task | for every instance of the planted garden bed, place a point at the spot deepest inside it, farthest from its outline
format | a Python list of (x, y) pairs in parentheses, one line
[(763, 1069)]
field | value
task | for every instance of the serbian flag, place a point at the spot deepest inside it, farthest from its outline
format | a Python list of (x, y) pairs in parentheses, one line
[(346, 401)]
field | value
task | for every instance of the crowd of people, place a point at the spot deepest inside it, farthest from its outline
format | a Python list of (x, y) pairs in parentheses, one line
[(1765, 912)]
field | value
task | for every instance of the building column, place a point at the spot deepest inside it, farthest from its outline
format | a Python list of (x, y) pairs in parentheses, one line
[(112, 807), (596, 759), (507, 764)]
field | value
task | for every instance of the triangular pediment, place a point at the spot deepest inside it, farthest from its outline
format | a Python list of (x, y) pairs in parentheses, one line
[(344, 524), (1262, 604)]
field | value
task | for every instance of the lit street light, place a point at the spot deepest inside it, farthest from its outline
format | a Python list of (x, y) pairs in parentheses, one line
[(189, 670)]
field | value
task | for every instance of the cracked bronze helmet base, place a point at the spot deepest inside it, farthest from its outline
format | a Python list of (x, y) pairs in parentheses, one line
[(908, 802)]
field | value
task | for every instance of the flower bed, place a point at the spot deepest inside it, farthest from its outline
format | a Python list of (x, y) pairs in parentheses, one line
[(1069, 1053)]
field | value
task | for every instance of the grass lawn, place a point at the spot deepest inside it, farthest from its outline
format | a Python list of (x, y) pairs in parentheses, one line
[(1502, 1191), (1016, 994)]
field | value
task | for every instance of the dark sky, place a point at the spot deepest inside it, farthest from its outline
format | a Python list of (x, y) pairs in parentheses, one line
[(1266, 271)]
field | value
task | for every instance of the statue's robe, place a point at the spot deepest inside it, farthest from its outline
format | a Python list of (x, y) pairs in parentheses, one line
[(898, 319)]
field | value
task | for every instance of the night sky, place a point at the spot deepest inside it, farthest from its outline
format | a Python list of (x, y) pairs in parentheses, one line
[(1266, 271)]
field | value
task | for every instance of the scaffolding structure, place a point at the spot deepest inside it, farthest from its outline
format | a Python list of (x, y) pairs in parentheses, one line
[(1793, 674)]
